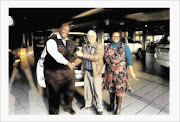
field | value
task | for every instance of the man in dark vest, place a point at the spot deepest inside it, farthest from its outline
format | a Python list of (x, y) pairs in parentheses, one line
[(58, 71)]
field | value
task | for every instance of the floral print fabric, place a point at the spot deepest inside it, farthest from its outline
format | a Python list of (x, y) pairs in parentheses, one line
[(116, 78)]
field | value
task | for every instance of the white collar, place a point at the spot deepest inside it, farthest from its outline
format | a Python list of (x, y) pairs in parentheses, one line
[(59, 37)]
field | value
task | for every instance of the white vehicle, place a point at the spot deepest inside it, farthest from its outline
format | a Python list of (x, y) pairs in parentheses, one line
[(135, 46), (78, 37), (80, 40), (161, 55)]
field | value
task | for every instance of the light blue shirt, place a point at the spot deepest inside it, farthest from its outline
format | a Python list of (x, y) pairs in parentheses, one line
[(87, 64)]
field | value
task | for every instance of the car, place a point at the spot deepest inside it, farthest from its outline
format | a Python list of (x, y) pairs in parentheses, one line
[(135, 46), (161, 55), (150, 47), (80, 40)]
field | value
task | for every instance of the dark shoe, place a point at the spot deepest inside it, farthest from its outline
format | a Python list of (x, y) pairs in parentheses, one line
[(85, 108), (99, 113), (119, 101), (54, 112), (118, 110), (71, 111), (111, 106)]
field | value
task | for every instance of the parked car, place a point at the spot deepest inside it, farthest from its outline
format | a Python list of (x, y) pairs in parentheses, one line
[(161, 55), (150, 47), (135, 46), (80, 40)]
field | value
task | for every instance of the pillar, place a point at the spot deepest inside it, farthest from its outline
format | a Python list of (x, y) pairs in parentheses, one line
[(101, 36), (143, 45)]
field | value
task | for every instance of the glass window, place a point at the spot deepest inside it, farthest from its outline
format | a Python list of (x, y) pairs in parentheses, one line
[(157, 38), (130, 40), (165, 40), (79, 39)]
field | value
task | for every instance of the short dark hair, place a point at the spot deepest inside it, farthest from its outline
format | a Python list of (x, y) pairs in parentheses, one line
[(65, 24)]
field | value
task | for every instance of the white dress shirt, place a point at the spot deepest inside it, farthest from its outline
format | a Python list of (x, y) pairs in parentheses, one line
[(53, 50)]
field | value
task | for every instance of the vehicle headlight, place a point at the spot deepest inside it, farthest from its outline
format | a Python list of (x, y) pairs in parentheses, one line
[(155, 55)]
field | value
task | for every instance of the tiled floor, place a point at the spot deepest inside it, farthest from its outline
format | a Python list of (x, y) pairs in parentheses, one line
[(150, 94)]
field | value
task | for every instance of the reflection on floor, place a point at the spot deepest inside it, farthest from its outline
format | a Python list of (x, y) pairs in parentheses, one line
[(150, 93)]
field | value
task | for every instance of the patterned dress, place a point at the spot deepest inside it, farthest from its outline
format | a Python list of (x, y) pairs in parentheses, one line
[(116, 77)]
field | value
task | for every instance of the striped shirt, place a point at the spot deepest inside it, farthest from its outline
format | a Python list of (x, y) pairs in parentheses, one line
[(87, 64)]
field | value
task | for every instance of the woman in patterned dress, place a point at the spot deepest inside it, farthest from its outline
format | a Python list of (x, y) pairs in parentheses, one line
[(117, 58)]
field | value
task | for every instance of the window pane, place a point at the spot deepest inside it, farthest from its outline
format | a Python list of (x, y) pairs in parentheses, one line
[(130, 40)]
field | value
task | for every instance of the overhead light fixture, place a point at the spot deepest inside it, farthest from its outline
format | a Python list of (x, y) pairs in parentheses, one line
[(106, 22), (72, 25), (153, 16), (90, 12), (121, 23), (146, 26)]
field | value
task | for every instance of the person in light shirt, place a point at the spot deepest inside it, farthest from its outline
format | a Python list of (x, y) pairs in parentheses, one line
[(58, 71)]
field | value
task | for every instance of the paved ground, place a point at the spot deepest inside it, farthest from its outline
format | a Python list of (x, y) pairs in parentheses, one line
[(150, 93)]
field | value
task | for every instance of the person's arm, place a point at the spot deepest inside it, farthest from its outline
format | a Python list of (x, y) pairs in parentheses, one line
[(128, 56), (131, 71), (98, 54), (53, 51), (129, 62), (77, 61)]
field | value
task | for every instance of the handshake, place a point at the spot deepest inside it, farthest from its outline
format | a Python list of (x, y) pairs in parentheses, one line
[(71, 65)]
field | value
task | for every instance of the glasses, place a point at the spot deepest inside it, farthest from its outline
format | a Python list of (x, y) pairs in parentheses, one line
[(116, 37)]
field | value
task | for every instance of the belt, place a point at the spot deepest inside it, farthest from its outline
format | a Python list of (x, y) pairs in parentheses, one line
[(90, 71)]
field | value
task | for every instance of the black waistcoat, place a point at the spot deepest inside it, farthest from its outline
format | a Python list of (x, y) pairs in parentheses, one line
[(67, 51)]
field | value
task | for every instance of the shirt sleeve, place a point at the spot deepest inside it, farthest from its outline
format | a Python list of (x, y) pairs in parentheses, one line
[(128, 56), (53, 51)]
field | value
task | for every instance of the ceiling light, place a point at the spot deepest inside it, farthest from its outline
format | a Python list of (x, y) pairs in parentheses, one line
[(121, 23), (90, 12), (152, 16), (72, 25), (106, 22)]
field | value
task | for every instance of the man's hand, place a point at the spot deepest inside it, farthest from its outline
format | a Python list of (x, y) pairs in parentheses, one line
[(103, 86), (79, 53), (70, 65)]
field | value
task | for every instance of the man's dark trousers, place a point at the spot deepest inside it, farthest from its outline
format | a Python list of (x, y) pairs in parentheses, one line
[(60, 85)]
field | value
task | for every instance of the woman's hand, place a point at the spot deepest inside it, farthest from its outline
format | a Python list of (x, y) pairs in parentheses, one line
[(131, 71), (133, 75)]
